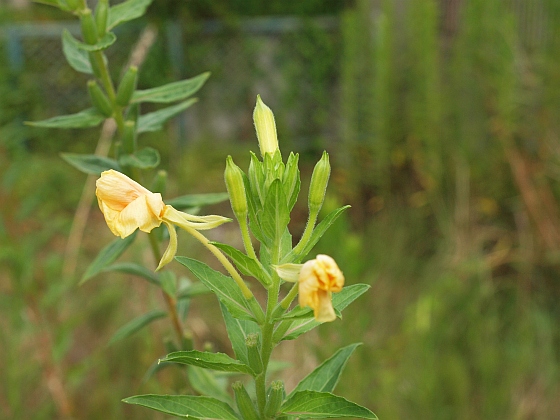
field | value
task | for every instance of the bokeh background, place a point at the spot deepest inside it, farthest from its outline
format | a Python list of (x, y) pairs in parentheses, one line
[(442, 119)]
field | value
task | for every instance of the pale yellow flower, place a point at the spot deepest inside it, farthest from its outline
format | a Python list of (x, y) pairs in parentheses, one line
[(317, 280), (128, 206)]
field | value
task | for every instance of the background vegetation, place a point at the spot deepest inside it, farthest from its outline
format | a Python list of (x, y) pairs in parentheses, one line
[(442, 119)]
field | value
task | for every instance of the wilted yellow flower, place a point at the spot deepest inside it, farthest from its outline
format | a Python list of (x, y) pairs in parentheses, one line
[(128, 206), (317, 279)]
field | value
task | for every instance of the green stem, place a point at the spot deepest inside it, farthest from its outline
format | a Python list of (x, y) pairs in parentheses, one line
[(286, 302), (247, 238), (306, 233), (247, 294)]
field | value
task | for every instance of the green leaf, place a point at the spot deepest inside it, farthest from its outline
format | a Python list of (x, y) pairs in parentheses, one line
[(340, 301), (146, 158), (275, 215), (171, 92), (238, 330), (325, 377), (205, 382), (90, 164), (318, 232), (168, 283), (190, 406), (246, 265), (321, 405), (223, 286), (193, 290), (108, 39), (107, 256), (136, 270), (126, 11), (197, 200), (153, 121), (291, 180), (76, 57), (54, 3), (83, 119), (207, 360), (136, 325)]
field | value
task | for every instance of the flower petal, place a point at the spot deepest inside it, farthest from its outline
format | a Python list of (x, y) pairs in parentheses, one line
[(117, 190), (137, 215), (324, 311)]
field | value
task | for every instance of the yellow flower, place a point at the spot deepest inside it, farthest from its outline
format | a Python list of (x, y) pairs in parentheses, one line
[(317, 279), (128, 206)]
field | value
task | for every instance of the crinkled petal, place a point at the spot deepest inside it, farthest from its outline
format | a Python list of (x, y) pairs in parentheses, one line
[(330, 276), (111, 217), (137, 215), (171, 250), (324, 311), (308, 285), (117, 190)]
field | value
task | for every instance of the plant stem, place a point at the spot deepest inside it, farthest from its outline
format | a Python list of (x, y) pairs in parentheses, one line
[(306, 233), (247, 238), (169, 300)]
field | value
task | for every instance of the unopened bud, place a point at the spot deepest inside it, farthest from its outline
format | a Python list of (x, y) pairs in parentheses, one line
[(266, 128), (99, 99), (319, 182), (127, 86), (243, 402), (129, 137), (233, 176), (89, 28), (101, 15), (253, 354), (275, 398)]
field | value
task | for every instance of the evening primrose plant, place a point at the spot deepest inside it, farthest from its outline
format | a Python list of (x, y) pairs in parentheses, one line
[(261, 198)]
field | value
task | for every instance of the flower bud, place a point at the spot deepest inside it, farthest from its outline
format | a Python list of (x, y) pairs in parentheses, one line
[(129, 137), (236, 189), (243, 402), (89, 28), (253, 354), (265, 127), (99, 99), (275, 398), (319, 182), (127, 86), (101, 15)]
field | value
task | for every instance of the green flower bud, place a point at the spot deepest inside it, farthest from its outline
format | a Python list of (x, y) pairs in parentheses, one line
[(275, 398), (266, 127), (253, 354), (243, 402), (127, 86), (129, 137), (319, 182), (101, 15), (99, 99), (233, 176), (89, 28), (159, 184)]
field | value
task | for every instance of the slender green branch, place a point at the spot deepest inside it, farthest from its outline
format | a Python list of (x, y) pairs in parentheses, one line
[(306, 233), (247, 239)]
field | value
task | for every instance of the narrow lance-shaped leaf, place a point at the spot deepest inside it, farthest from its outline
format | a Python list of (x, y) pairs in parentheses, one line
[(340, 301), (153, 121), (207, 360), (246, 265), (76, 57), (325, 377), (136, 325), (83, 119), (238, 330), (275, 215), (223, 286), (190, 406), (205, 382), (126, 11), (171, 92), (136, 270), (108, 39), (323, 405), (90, 164), (107, 256), (146, 158)]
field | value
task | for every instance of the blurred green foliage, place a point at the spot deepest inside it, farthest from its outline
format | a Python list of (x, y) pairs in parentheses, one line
[(443, 127)]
